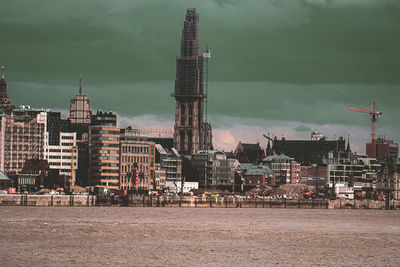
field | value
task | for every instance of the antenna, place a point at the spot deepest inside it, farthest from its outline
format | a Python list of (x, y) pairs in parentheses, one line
[(80, 84), (206, 56)]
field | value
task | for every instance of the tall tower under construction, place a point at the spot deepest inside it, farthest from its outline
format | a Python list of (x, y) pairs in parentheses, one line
[(191, 132)]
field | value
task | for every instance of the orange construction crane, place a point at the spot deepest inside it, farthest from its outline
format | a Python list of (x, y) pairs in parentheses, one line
[(374, 116), (160, 131)]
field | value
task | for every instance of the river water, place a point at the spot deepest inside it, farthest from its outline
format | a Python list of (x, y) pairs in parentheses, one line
[(124, 236)]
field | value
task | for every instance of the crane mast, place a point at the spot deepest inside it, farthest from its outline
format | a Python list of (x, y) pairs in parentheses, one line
[(374, 116)]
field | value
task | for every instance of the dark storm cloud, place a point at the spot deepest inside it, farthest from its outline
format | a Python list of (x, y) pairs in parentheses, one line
[(300, 61), (303, 128)]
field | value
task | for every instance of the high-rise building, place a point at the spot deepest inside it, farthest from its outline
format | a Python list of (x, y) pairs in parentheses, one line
[(104, 151), (191, 132), (4, 98), (80, 112)]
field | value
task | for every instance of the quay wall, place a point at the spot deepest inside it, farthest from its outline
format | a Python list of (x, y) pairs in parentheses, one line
[(191, 202), (47, 200), (239, 202)]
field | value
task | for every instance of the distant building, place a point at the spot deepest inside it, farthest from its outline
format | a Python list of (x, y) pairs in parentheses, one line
[(170, 161), (249, 153), (80, 112), (176, 187), (136, 151), (307, 152), (286, 170), (22, 137), (82, 173), (191, 132), (160, 176), (315, 174), (259, 175), (350, 171), (214, 168), (5, 181), (61, 157), (202, 163), (385, 149), (388, 183), (33, 176)]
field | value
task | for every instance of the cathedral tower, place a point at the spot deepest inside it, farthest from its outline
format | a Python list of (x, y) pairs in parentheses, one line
[(191, 133)]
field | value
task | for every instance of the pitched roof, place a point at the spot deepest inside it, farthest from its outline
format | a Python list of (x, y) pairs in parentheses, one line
[(36, 165), (251, 146), (259, 170), (277, 157)]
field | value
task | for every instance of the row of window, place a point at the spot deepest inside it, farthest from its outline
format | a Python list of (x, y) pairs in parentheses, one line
[(105, 171), (135, 149), (19, 148), (59, 164), (95, 157), (60, 151), (103, 151), (133, 159), (99, 138), (103, 145), (104, 132), (129, 168), (59, 157)]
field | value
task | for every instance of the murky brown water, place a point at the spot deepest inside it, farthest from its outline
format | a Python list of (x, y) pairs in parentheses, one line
[(202, 236)]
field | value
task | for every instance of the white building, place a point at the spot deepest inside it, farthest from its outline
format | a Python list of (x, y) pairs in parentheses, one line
[(62, 156), (176, 187)]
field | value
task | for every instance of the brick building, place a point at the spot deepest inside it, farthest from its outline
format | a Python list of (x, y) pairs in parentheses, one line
[(104, 151)]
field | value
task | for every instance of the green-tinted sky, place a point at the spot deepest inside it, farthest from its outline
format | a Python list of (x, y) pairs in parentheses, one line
[(298, 63)]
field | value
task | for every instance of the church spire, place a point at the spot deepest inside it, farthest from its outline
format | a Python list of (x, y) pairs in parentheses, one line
[(348, 143), (2, 72)]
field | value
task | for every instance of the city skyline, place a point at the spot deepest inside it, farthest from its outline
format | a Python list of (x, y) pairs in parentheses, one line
[(275, 78)]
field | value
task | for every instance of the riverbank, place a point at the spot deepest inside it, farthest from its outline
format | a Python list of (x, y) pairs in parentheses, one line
[(191, 201)]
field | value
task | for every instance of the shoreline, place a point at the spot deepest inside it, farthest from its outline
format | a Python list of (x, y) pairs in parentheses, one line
[(191, 202)]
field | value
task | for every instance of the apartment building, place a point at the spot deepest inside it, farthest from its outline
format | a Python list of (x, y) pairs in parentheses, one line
[(22, 136)]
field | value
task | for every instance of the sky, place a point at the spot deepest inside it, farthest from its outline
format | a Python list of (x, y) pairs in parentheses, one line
[(283, 67)]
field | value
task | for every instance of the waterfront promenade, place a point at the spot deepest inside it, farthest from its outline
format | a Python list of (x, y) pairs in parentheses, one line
[(190, 201), (205, 236)]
